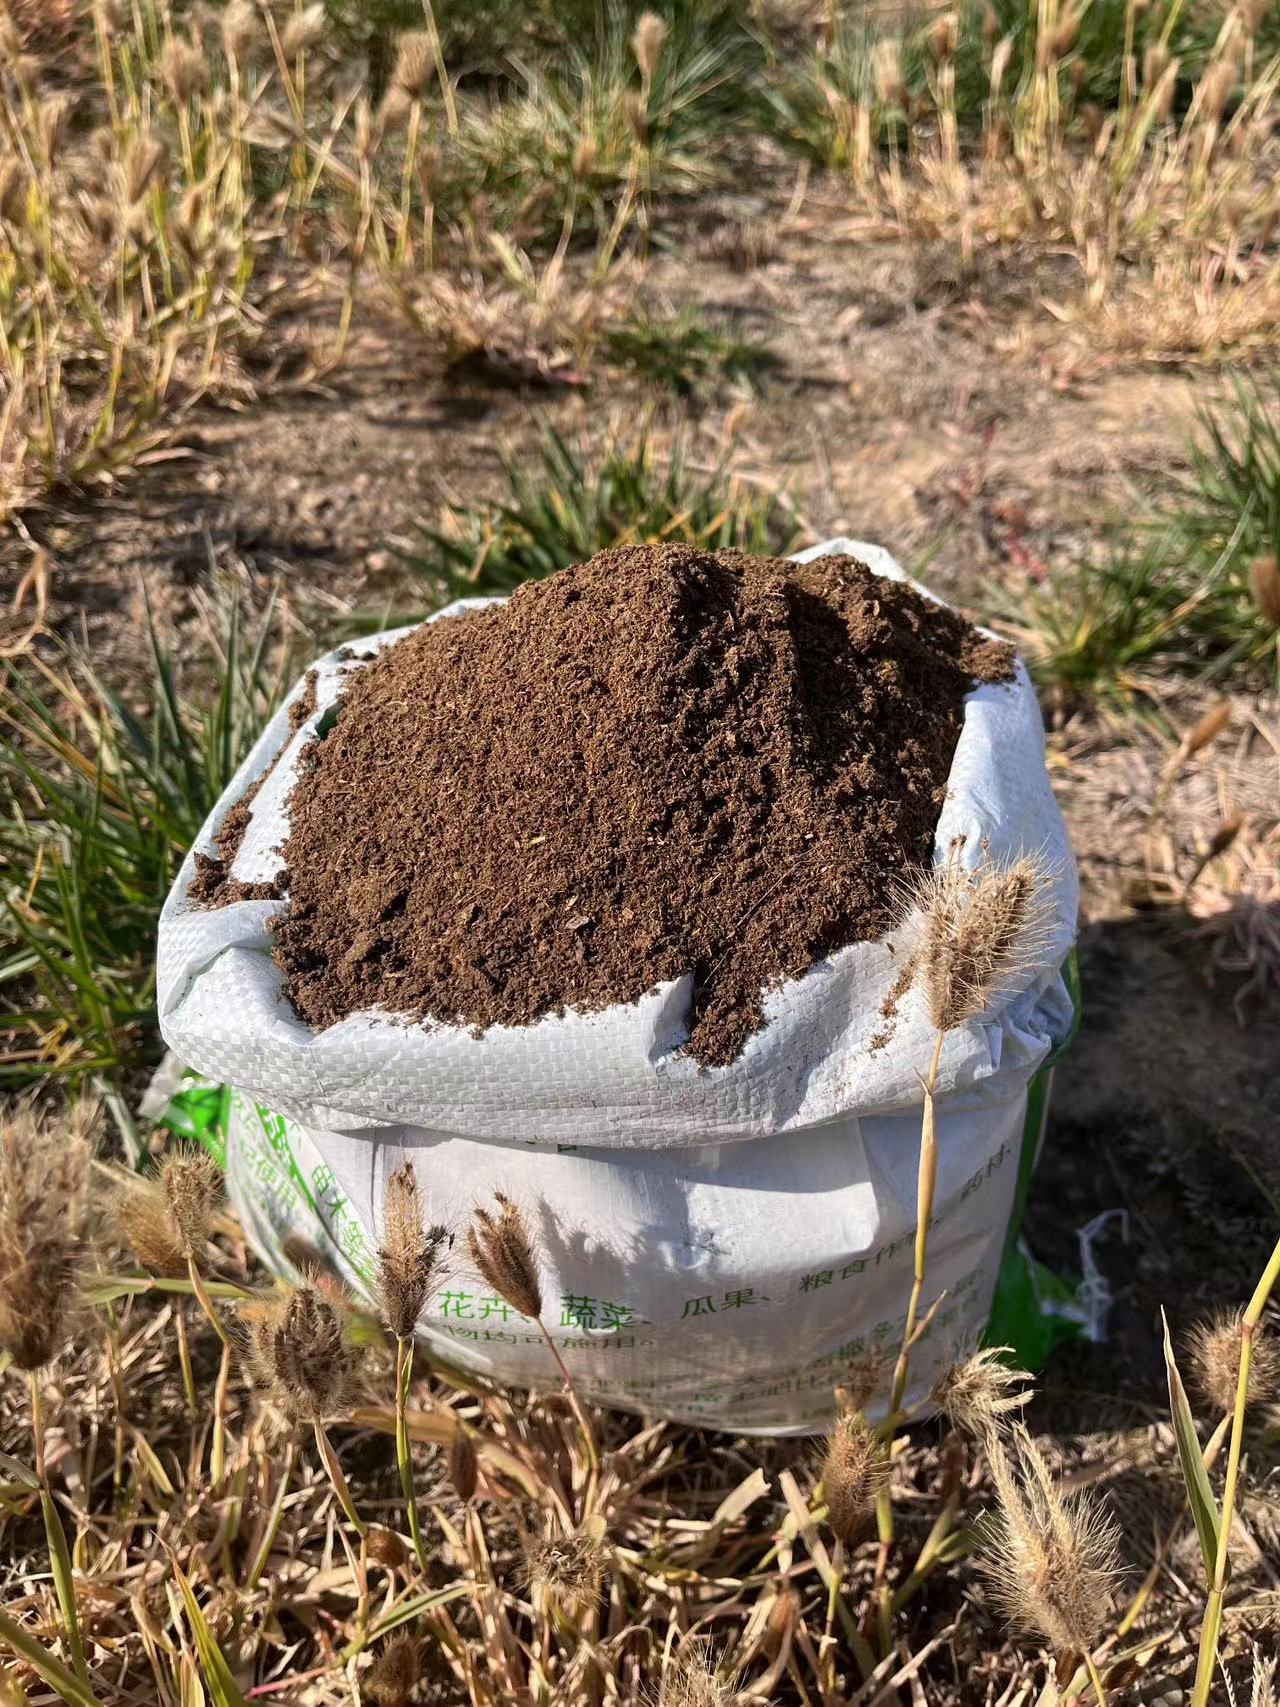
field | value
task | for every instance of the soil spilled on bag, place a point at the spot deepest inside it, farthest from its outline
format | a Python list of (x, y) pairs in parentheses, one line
[(662, 761)]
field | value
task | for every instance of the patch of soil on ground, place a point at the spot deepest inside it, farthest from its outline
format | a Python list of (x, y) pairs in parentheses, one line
[(908, 404), (1165, 1106)]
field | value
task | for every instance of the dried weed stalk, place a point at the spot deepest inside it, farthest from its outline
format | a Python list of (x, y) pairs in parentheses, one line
[(1052, 1559), (1215, 1348), (408, 1267), (501, 1247), (563, 1569), (44, 1171), (297, 1347), (979, 1395), (855, 1472)]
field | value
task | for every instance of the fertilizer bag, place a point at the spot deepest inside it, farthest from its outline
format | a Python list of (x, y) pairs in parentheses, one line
[(720, 1245)]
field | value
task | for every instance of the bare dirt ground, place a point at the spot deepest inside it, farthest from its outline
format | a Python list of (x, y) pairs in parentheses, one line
[(911, 401), (910, 404)]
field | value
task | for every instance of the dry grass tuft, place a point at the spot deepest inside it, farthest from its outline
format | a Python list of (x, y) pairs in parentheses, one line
[(1263, 1692), (395, 1673), (693, 1678), (190, 1182), (983, 931), (297, 1347), (855, 1470), (980, 1394), (1052, 1559), (502, 1249), (409, 1257), (138, 1220), (44, 1168), (1215, 1362), (564, 1569)]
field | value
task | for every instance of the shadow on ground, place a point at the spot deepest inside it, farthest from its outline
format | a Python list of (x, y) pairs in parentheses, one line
[(1167, 1107)]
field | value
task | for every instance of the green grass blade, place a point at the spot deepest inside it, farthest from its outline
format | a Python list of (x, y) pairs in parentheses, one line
[(405, 1613), (217, 1673), (63, 1581), (1204, 1508)]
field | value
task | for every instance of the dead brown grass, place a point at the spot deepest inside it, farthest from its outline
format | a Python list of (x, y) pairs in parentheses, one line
[(662, 1571)]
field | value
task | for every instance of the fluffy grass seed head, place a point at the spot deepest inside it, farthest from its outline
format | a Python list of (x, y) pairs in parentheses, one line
[(138, 1220), (781, 1622), (693, 1680), (14, 192), (239, 27), (502, 1250), (409, 1256), (1155, 62), (983, 929), (855, 1469), (305, 30), (1216, 88), (44, 1173), (1263, 1692), (164, 1220), (563, 1568), (182, 69), (943, 37), (646, 43), (191, 1183), (976, 1396), (297, 1347), (394, 1674), (141, 163), (415, 65), (1215, 1362), (1052, 1559), (886, 71)]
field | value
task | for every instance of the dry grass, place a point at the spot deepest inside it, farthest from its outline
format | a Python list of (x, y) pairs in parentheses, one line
[(1168, 216), (171, 183), (131, 278), (655, 1570)]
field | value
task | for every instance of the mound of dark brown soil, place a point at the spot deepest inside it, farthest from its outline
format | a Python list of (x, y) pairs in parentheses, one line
[(661, 761)]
